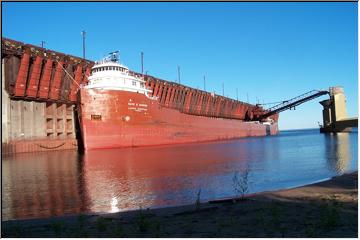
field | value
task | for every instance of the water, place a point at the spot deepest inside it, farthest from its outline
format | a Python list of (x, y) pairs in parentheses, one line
[(65, 182)]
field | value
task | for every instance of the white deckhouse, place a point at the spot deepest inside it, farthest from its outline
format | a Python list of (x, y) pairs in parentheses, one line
[(109, 74)]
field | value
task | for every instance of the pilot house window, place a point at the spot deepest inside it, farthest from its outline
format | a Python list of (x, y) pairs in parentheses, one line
[(134, 83)]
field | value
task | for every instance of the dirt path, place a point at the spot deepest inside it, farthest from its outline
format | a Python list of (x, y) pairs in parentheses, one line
[(326, 209)]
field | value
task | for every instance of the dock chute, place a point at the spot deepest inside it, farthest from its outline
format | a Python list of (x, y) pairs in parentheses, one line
[(291, 103)]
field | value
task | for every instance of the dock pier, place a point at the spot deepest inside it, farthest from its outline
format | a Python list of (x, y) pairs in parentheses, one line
[(335, 118), (38, 98)]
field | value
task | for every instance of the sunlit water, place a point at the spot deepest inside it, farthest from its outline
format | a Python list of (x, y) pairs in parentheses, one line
[(65, 182)]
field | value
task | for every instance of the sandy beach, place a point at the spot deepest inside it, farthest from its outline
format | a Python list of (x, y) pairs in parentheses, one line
[(325, 209)]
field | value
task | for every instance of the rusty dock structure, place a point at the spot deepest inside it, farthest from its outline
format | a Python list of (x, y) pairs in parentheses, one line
[(38, 97)]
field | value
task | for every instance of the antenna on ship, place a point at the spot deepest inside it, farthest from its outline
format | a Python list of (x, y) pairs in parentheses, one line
[(223, 89), (142, 63), (83, 33), (237, 97), (42, 44), (204, 84)]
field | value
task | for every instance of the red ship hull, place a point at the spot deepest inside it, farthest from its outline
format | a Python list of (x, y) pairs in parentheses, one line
[(113, 119)]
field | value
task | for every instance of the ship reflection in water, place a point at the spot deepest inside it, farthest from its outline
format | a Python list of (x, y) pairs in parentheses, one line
[(64, 183)]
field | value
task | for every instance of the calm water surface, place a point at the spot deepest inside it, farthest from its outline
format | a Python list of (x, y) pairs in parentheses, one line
[(65, 182)]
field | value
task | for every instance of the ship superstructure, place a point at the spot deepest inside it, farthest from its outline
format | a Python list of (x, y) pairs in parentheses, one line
[(111, 75)]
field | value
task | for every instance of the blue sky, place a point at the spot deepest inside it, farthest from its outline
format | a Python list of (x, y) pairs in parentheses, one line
[(269, 51)]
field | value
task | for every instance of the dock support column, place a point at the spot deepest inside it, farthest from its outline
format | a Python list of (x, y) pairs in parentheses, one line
[(178, 106), (237, 110), (172, 98), (192, 102), (338, 108), (204, 104), (16, 125), (56, 82), (5, 107), (161, 88), (218, 106), (156, 88), (20, 84), (165, 92), (208, 102), (181, 99), (335, 118), (45, 79), (176, 96), (34, 78), (75, 85), (210, 110), (151, 86), (199, 103), (170, 88), (27, 115), (187, 101)]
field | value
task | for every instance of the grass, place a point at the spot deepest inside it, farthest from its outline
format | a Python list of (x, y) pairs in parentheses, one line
[(241, 182), (197, 202), (330, 217), (79, 230), (57, 227), (142, 222), (81, 220), (16, 232), (310, 230), (101, 224), (118, 230), (275, 215)]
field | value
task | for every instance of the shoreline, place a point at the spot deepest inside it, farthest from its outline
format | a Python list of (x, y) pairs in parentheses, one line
[(321, 209)]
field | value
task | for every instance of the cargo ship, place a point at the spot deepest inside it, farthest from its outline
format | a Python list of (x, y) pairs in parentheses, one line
[(120, 108)]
